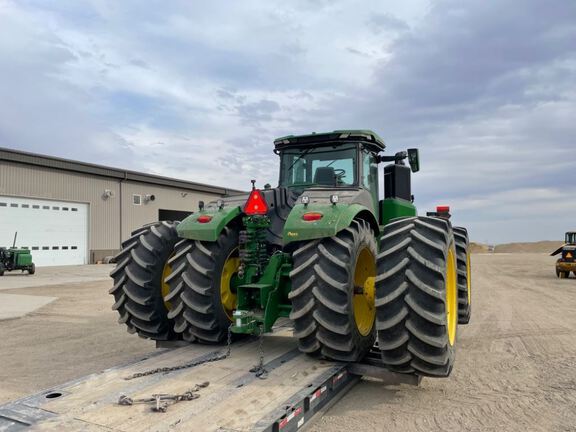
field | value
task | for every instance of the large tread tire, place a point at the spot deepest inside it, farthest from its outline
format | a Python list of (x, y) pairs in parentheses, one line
[(322, 291), (32, 269), (464, 274), (138, 277), (411, 301), (195, 288)]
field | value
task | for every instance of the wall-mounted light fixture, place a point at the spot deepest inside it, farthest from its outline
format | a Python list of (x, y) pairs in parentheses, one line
[(108, 193)]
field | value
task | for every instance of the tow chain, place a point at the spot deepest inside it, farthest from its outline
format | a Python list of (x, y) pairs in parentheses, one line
[(162, 401), (259, 369), (216, 357)]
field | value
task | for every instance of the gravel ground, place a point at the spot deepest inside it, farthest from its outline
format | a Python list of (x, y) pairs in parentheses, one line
[(515, 367)]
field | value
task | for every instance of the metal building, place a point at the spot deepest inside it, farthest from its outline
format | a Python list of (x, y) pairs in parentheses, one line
[(70, 212)]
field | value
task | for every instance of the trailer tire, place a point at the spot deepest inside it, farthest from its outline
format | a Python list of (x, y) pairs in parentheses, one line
[(202, 301), (464, 274), (333, 294), (138, 281), (417, 296)]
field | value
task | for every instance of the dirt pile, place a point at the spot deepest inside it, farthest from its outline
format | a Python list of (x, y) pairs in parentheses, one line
[(548, 246), (479, 248)]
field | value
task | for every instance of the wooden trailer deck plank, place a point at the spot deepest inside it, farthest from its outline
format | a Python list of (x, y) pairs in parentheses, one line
[(235, 398)]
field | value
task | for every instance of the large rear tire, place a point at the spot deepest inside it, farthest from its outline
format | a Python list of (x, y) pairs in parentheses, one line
[(138, 281), (333, 294), (201, 291), (464, 274), (417, 296)]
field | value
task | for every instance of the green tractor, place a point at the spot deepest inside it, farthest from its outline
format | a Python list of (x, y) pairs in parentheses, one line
[(567, 262), (16, 259), (352, 272)]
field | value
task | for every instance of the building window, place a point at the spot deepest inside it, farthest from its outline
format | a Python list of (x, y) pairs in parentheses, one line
[(25, 206), (2, 204), (64, 208), (35, 206), (74, 247), (74, 209), (137, 199), (13, 205), (46, 207), (55, 208)]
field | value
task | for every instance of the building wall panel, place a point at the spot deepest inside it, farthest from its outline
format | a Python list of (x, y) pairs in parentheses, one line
[(38, 182)]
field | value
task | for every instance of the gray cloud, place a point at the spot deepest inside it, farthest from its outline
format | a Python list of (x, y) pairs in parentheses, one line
[(485, 89)]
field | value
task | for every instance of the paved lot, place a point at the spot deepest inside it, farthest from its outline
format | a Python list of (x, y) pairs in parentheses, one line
[(515, 367)]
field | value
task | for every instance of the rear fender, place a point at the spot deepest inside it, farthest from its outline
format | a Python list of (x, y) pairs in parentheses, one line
[(334, 219), (191, 229)]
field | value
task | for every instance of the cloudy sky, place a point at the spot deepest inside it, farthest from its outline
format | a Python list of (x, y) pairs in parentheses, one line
[(199, 90)]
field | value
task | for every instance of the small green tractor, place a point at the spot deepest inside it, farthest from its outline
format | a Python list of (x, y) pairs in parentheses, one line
[(353, 272), (567, 262), (16, 259)]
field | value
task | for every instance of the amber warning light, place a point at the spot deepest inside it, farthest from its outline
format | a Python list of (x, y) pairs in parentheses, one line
[(256, 204)]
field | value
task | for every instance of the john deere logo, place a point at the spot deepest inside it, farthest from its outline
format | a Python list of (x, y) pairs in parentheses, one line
[(569, 255), (292, 234)]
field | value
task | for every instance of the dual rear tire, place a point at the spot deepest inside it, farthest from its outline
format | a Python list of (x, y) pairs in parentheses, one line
[(417, 296), (138, 277), (333, 294)]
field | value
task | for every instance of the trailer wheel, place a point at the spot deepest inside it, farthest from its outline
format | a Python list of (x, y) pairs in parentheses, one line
[(464, 274), (417, 296), (138, 281), (202, 287), (333, 294)]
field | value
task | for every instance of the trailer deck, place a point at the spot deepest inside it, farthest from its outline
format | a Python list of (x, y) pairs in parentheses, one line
[(297, 387)]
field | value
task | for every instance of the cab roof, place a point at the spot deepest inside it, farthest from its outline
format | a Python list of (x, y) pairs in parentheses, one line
[(369, 138)]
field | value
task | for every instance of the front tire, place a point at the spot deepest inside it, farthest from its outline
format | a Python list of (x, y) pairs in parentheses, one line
[(138, 281), (201, 287), (417, 296), (32, 269), (333, 294)]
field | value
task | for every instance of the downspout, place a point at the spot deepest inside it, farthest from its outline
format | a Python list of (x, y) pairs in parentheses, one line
[(120, 207)]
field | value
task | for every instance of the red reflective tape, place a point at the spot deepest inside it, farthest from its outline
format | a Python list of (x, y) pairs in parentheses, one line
[(290, 416), (317, 393), (339, 377)]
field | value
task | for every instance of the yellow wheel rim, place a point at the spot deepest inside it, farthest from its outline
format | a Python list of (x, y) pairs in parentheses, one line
[(469, 277), (227, 297), (451, 296), (165, 288), (363, 299)]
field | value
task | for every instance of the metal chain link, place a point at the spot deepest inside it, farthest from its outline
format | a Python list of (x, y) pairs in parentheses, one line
[(216, 357), (259, 369), (161, 401)]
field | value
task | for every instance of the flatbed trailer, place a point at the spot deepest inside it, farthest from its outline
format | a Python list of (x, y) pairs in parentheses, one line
[(297, 388)]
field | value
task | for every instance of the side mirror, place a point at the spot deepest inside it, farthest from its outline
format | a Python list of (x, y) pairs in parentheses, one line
[(414, 160)]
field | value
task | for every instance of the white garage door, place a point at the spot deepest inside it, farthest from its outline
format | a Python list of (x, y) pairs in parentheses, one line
[(56, 232)]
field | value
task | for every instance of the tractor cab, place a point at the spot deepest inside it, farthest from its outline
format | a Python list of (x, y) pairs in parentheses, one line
[(344, 163), (570, 238), (339, 159)]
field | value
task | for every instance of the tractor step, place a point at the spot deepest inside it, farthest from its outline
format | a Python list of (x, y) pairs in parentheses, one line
[(297, 389)]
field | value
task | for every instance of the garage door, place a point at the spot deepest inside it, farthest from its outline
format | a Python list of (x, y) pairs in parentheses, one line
[(56, 232)]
